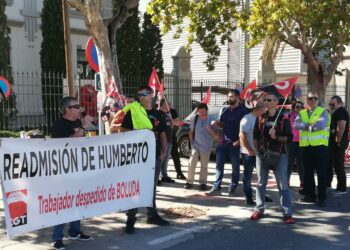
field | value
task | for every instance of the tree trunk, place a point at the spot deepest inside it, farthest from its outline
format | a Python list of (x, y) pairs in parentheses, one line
[(317, 82)]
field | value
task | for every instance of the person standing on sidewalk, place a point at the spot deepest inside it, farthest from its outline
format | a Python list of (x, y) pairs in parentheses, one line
[(201, 141), (294, 153), (338, 142), (314, 136), (247, 148), (174, 149), (71, 124), (148, 118), (163, 108), (271, 132), (228, 146)]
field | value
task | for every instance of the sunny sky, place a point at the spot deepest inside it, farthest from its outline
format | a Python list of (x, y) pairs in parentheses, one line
[(142, 5)]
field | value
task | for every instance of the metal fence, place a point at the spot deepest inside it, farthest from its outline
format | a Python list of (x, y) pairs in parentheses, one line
[(35, 97)]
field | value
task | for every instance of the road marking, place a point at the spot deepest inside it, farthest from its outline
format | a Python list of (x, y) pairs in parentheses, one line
[(185, 234)]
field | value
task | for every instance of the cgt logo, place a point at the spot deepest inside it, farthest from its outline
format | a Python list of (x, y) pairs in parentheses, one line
[(17, 207)]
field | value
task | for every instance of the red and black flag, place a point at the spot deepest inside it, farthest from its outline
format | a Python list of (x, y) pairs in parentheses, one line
[(280, 89)]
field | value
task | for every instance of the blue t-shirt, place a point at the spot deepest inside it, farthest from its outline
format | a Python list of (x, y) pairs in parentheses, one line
[(231, 119)]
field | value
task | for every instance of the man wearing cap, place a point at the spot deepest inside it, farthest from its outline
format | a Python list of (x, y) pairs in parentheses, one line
[(313, 125)]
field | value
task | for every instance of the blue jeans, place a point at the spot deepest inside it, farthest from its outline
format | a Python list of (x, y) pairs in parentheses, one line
[(248, 164), (74, 229), (164, 166), (282, 184), (223, 152)]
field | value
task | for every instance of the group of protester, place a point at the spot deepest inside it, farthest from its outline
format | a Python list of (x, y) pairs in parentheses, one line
[(309, 136)]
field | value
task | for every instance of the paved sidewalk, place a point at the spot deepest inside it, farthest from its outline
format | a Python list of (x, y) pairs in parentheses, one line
[(331, 224)]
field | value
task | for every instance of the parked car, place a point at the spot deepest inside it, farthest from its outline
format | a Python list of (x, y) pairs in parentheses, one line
[(183, 132)]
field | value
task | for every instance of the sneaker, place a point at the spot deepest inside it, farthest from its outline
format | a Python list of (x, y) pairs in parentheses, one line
[(338, 192), (81, 236), (181, 176), (231, 191), (58, 244), (268, 199), (188, 186), (250, 202), (129, 228), (214, 191), (256, 215), (167, 179), (308, 199), (157, 220), (203, 187), (288, 219)]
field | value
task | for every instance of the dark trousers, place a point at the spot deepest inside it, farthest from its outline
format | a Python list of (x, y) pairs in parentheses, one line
[(175, 156), (337, 162), (315, 158), (151, 211)]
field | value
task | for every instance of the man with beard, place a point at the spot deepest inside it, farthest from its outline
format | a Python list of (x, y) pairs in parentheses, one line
[(228, 146)]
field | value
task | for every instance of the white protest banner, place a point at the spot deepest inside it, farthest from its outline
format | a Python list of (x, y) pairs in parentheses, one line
[(54, 181)]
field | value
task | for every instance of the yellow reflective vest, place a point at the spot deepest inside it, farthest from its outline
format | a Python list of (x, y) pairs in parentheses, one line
[(139, 116), (314, 138)]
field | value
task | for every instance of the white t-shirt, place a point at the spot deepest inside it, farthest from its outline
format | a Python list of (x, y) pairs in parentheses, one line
[(247, 125)]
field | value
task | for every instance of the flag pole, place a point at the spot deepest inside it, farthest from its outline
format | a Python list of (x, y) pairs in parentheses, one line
[(279, 112)]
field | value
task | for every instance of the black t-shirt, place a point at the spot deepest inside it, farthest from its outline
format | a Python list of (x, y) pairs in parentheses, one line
[(169, 127), (63, 128), (261, 132), (173, 113), (157, 121), (339, 115)]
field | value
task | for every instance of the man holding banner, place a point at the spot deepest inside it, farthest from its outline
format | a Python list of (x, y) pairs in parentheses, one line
[(69, 125), (141, 115)]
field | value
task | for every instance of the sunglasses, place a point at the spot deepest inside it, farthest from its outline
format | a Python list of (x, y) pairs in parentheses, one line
[(331, 105), (76, 106), (143, 94), (298, 107), (312, 98)]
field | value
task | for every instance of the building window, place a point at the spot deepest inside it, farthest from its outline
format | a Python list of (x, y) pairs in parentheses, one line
[(84, 69)]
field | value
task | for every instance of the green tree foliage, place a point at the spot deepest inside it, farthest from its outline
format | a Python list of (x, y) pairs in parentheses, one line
[(320, 29), (52, 58), (210, 22), (128, 46), (7, 108), (151, 47)]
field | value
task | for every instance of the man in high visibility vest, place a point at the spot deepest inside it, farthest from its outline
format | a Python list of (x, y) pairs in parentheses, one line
[(313, 126)]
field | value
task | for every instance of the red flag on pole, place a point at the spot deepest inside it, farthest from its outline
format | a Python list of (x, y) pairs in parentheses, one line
[(154, 82), (247, 90), (206, 98), (112, 90), (161, 90), (282, 88)]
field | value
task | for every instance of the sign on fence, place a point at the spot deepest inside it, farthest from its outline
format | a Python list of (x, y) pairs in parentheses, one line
[(54, 181)]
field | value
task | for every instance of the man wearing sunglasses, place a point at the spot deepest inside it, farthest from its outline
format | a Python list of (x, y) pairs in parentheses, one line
[(313, 125), (152, 119), (338, 142), (271, 132), (71, 124)]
